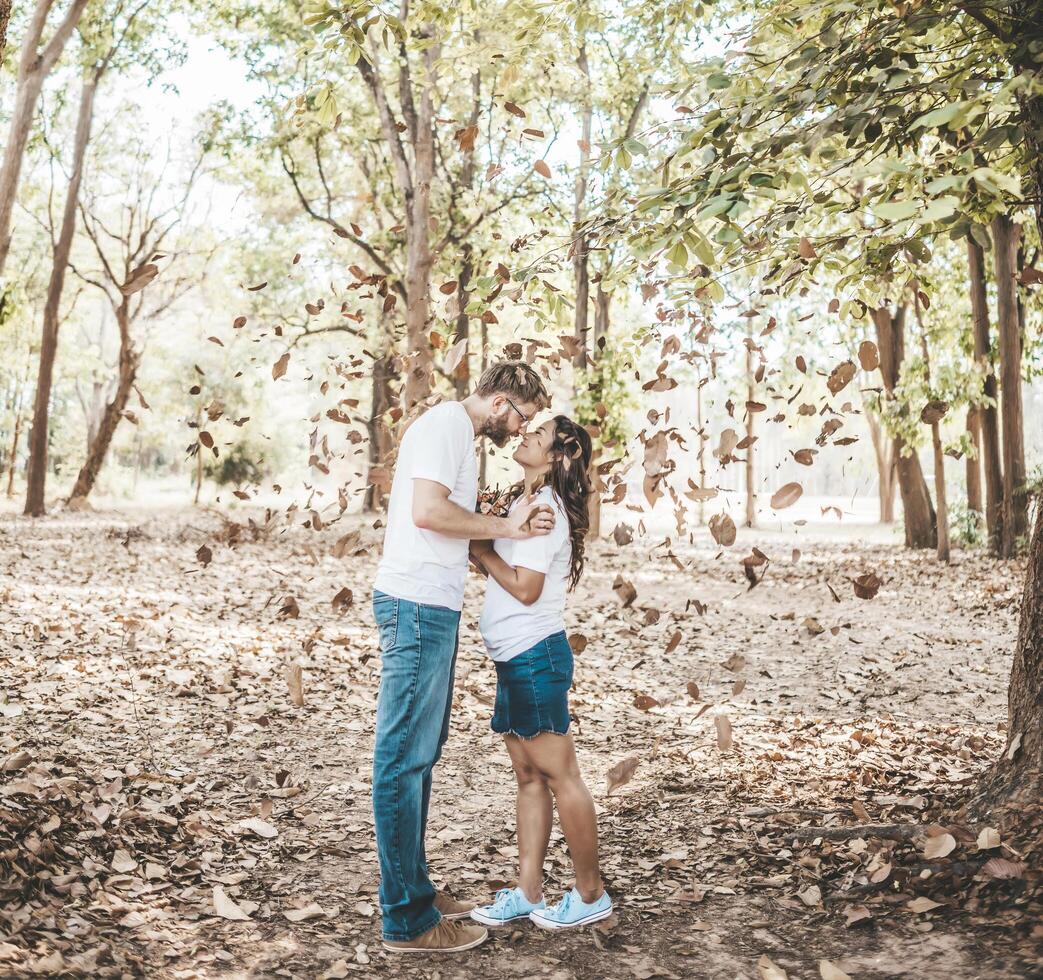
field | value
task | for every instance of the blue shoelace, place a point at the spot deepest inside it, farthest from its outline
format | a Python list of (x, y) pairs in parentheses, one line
[(503, 897), (562, 908)]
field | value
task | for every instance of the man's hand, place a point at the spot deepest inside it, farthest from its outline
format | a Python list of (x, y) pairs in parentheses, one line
[(529, 520)]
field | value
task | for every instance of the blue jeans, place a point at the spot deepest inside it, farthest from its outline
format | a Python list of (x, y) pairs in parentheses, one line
[(418, 645)]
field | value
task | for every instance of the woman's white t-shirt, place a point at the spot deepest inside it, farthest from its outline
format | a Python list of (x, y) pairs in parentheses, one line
[(510, 627)]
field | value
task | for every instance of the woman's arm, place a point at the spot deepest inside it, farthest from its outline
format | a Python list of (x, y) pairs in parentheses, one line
[(523, 583)]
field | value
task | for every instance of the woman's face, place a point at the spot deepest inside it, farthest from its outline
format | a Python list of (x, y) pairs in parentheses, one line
[(534, 450)]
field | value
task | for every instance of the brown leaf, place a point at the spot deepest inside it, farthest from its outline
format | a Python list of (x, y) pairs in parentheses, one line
[(644, 702), (868, 355), (139, 279), (786, 496), (226, 908), (933, 411), (724, 732), (578, 642), (806, 250), (279, 367), (693, 691), (343, 600), (540, 166), (204, 555), (455, 356), (295, 683), (840, 377), (448, 288), (1002, 868), (866, 586), (722, 527), (621, 773), (624, 590)]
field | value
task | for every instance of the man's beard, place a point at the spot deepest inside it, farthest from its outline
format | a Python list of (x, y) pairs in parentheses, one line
[(496, 431)]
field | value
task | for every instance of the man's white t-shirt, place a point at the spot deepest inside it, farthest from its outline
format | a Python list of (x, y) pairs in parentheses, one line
[(419, 565), (510, 627)]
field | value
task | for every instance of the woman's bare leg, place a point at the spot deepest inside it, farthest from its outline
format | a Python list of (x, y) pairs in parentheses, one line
[(535, 814), (554, 757)]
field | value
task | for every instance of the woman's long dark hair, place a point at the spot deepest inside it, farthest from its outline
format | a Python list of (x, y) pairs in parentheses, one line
[(569, 478)]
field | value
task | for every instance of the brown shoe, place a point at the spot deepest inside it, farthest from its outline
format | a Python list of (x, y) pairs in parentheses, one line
[(446, 937), (451, 908)]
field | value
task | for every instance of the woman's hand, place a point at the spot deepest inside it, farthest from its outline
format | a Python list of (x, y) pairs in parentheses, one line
[(476, 550)]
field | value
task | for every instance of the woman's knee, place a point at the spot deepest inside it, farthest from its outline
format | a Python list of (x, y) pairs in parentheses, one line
[(528, 775)]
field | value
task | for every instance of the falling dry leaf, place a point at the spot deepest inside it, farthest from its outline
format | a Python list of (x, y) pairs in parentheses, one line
[(786, 496), (621, 773)]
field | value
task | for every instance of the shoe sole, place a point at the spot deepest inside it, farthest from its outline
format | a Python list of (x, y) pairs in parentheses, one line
[(585, 921), (497, 923), (426, 949)]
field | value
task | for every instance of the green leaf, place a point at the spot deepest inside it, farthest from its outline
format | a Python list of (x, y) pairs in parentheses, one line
[(896, 210), (678, 256)]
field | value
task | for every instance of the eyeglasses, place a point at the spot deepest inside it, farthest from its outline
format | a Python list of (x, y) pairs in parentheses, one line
[(526, 419)]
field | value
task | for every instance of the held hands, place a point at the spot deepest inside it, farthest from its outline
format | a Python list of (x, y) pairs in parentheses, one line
[(529, 520)]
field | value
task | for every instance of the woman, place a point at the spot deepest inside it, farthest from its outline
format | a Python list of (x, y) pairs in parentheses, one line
[(524, 631)]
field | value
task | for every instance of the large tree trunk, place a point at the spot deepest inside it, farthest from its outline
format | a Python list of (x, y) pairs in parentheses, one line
[(942, 521), (988, 415), (751, 492), (918, 511), (462, 374), (33, 67), (380, 440), (580, 257), (1016, 774), (1015, 502), (129, 359), (37, 477), (883, 450)]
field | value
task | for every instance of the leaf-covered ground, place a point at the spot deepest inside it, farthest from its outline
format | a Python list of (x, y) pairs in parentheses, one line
[(168, 810)]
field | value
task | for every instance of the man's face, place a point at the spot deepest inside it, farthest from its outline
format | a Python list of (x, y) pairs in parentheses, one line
[(507, 419)]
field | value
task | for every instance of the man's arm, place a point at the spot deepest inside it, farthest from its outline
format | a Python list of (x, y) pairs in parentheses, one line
[(434, 511)]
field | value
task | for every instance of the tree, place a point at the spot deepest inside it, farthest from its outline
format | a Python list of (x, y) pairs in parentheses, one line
[(986, 415), (5, 17), (920, 520), (34, 65), (103, 45), (1015, 501), (127, 264)]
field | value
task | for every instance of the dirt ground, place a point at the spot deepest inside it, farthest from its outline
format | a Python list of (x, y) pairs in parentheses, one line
[(171, 812)]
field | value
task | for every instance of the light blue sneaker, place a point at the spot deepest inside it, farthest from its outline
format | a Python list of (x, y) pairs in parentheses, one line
[(572, 911), (511, 905)]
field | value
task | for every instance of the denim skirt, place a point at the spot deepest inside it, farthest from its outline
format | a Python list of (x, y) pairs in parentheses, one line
[(532, 690)]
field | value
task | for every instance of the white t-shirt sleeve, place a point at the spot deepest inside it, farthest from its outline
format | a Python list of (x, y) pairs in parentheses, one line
[(438, 451), (537, 554)]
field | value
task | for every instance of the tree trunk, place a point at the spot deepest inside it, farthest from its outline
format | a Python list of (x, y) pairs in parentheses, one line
[(5, 16), (34, 499), (380, 441), (701, 452), (462, 375), (33, 67), (1015, 502), (580, 257), (602, 318), (936, 442), (988, 414), (917, 509), (1016, 774), (974, 499), (751, 493), (883, 450), (129, 359), (14, 452)]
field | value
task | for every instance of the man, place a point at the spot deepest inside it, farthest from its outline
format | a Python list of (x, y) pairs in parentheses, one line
[(417, 597)]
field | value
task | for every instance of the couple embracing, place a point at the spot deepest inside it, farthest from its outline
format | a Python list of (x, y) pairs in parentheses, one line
[(531, 556)]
